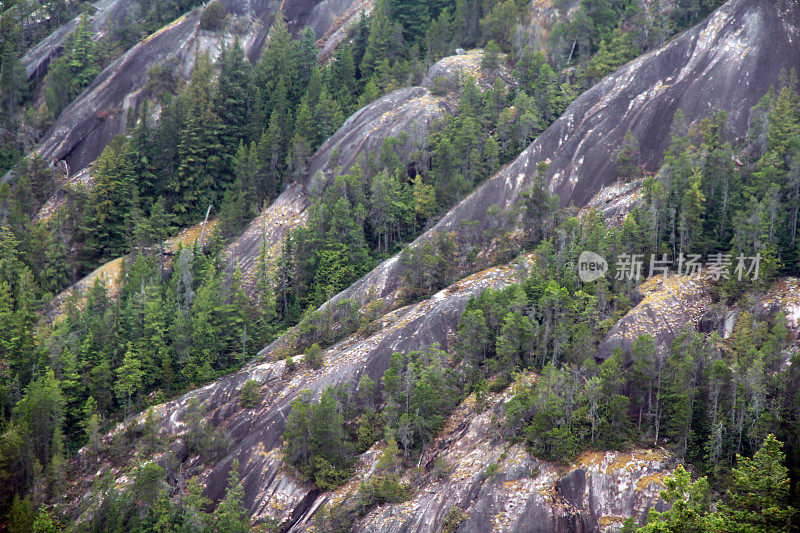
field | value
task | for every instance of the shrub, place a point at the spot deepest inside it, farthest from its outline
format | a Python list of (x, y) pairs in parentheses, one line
[(442, 468), (453, 520), (499, 384), (249, 396), (291, 366), (201, 437), (213, 17), (491, 471), (314, 357), (491, 56), (382, 489), (327, 476)]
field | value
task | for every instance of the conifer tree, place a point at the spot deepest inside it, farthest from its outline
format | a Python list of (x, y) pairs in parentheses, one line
[(234, 98), (109, 204), (129, 376), (231, 515)]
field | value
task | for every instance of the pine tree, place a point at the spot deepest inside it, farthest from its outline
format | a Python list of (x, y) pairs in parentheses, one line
[(231, 514), (342, 84), (271, 157), (142, 156), (692, 211), (44, 523), (301, 148), (491, 56), (233, 99), (413, 17), (759, 500), (385, 39), (628, 157), (109, 204), (199, 177), (276, 67), (129, 376), (13, 85), (383, 211), (327, 117), (304, 52), (690, 504), (40, 413)]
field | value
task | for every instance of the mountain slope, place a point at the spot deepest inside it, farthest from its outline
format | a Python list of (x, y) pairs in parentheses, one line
[(728, 62), (89, 123)]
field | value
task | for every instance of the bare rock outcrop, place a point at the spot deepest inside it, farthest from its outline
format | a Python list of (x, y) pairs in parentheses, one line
[(256, 434), (668, 307), (599, 490), (523, 494), (37, 59), (89, 123), (408, 111), (728, 62)]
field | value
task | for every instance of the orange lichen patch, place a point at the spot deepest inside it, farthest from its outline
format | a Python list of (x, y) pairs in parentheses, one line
[(611, 463), (606, 521), (657, 478), (189, 236), (589, 459), (622, 462)]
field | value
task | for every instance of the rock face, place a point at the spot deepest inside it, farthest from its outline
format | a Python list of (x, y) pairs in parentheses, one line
[(728, 62), (256, 434), (407, 111), (669, 305), (598, 491), (86, 126), (37, 59)]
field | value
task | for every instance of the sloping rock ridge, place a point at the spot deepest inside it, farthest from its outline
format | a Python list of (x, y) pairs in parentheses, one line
[(86, 126), (728, 63), (256, 434), (404, 111)]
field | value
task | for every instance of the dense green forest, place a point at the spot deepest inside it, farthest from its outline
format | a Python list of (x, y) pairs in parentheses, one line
[(235, 134), (710, 402)]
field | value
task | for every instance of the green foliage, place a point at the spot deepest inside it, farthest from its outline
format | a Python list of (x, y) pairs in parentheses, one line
[(249, 396), (690, 502), (213, 17), (200, 436), (758, 501), (382, 489), (72, 72), (316, 440), (491, 471), (453, 520), (628, 157), (231, 514), (314, 357), (420, 392)]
